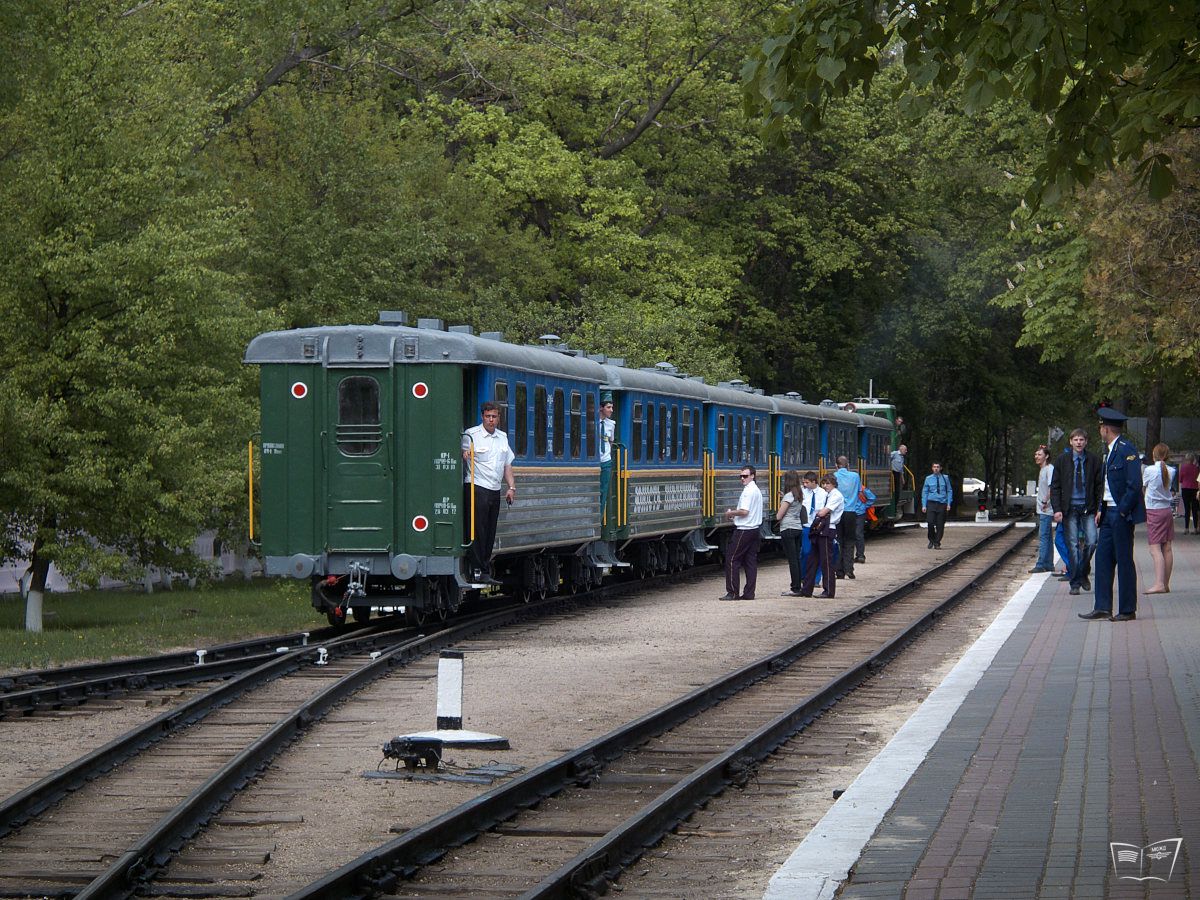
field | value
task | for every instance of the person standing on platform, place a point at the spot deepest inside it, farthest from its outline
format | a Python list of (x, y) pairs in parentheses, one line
[(847, 527), (937, 494), (825, 524), (814, 499), (1189, 481), (897, 460), (608, 434), (1158, 480), (487, 460), (1076, 491), (1045, 512), (792, 517), (1121, 509), (743, 546)]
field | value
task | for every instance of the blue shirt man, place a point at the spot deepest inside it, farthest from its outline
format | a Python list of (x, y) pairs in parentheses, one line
[(848, 484), (936, 496)]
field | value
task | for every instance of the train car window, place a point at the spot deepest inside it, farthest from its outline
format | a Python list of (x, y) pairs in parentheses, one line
[(685, 447), (500, 395), (558, 414), (359, 432), (731, 440), (744, 439), (576, 425), (521, 418), (590, 418), (637, 432), (539, 420), (651, 444), (664, 433), (721, 437), (696, 433), (758, 441)]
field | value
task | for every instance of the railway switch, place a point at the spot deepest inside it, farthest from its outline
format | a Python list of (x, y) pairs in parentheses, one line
[(414, 753)]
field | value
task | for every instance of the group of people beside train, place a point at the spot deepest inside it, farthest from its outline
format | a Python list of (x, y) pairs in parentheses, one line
[(1089, 503)]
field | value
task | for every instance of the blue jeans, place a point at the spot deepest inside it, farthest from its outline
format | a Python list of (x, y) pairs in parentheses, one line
[(1060, 544), (1045, 558), (1081, 541)]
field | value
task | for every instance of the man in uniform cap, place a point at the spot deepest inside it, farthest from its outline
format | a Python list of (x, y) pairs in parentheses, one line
[(1121, 509), (608, 434)]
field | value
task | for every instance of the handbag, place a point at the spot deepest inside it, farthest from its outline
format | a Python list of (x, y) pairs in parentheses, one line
[(819, 526)]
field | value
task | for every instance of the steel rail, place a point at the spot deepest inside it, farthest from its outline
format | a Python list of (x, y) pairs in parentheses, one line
[(154, 849), (379, 869), (27, 803)]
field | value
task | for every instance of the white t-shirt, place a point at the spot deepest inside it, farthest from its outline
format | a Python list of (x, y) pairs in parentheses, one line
[(1045, 475), (1158, 495), (791, 519), (608, 432), (492, 454), (751, 501), (836, 504), (813, 500)]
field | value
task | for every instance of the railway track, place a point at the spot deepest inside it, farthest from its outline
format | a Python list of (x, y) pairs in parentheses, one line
[(105, 824), (571, 826)]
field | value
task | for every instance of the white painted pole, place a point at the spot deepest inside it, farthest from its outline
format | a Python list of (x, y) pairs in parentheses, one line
[(450, 690)]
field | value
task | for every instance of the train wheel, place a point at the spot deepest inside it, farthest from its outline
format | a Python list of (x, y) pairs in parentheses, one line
[(453, 594), (415, 617), (525, 595)]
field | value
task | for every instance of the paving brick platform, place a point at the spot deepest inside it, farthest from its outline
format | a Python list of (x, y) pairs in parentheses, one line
[(1064, 737)]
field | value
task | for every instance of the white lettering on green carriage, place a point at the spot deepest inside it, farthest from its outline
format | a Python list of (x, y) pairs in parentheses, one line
[(445, 507), (446, 462), (272, 449)]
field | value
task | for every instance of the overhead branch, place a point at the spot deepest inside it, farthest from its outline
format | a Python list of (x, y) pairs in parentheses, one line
[(298, 56), (614, 147)]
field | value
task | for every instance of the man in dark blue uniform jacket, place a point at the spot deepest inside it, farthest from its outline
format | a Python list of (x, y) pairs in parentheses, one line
[(1122, 507)]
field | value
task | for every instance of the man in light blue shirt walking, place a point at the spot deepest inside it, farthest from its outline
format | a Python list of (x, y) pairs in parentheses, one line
[(849, 484), (936, 497)]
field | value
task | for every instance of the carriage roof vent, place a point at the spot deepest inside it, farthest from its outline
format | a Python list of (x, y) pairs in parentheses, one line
[(492, 336), (392, 317), (666, 368), (461, 329), (737, 384), (549, 340), (431, 324), (831, 403), (791, 395)]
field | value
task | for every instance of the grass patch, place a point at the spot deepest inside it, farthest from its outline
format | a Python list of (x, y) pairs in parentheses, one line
[(99, 625)]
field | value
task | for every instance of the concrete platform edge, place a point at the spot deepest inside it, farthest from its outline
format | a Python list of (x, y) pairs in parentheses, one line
[(821, 862)]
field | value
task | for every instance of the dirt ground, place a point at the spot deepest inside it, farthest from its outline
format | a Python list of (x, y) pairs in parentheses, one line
[(547, 686)]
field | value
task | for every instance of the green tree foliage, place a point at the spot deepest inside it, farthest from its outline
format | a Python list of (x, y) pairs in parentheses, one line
[(123, 407), (1111, 77)]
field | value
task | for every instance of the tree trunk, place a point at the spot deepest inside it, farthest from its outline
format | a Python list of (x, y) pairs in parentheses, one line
[(39, 571), (1154, 406)]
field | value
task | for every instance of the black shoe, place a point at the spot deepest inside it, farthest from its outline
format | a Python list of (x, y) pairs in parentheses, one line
[(1124, 617), (728, 597), (1087, 584), (1074, 591), (1037, 570), (850, 575), (1094, 614), (860, 559), (930, 547), (1063, 576), (838, 575), (825, 596), (937, 546)]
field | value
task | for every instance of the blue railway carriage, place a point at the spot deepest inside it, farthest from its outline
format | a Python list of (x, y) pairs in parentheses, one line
[(655, 515)]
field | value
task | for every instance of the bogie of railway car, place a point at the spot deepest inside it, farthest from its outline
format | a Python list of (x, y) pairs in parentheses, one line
[(362, 470)]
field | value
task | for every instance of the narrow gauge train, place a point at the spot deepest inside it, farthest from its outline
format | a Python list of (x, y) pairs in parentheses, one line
[(361, 474)]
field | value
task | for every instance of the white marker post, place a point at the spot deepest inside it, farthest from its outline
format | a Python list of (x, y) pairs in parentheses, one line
[(450, 710)]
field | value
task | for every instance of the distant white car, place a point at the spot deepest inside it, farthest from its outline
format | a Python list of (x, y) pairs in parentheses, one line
[(971, 485)]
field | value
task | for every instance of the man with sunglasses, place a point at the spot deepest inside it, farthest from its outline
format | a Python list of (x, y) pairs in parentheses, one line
[(742, 552)]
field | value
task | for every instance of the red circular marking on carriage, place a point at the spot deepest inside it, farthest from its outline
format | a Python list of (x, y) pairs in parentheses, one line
[(420, 523), (420, 390), (299, 390)]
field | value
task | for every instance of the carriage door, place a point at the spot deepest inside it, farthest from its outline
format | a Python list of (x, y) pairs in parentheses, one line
[(358, 460)]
